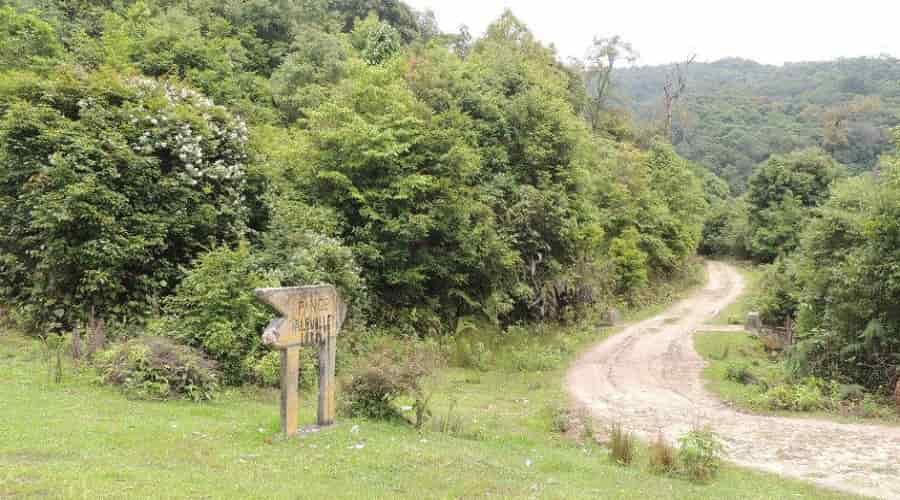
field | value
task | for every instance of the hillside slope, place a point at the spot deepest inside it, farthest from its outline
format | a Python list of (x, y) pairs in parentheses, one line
[(736, 113)]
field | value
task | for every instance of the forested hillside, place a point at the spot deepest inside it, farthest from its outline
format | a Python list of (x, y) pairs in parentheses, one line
[(735, 113), (160, 159)]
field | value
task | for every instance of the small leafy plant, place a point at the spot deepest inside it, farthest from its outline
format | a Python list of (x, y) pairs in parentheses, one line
[(700, 454), (740, 373)]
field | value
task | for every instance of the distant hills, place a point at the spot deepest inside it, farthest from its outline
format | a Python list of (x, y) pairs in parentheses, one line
[(736, 112)]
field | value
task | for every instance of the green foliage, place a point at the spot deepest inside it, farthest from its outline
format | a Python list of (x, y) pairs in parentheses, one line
[(780, 194), (739, 372), (846, 284), (267, 370), (158, 368), (700, 454), (726, 231), (26, 41), (306, 77), (109, 185), (808, 395), (376, 40), (736, 113), (214, 308), (461, 183), (776, 299)]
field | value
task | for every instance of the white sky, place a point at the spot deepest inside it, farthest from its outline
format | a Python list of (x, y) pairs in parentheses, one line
[(768, 31)]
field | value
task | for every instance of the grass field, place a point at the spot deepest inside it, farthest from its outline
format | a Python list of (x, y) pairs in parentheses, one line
[(77, 439), (724, 349)]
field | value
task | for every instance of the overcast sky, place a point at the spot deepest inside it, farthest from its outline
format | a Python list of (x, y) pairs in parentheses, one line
[(768, 31)]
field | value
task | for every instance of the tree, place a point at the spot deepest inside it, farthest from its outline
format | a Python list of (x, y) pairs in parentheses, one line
[(845, 283), (673, 89), (780, 195), (602, 58), (403, 182)]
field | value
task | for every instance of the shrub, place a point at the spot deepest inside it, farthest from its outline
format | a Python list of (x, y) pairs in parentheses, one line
[(158, 368), (533, 357), (740, 373), (621, 445), (562, 420), (470, 353), (849, 392), (700, 454), (806, 396), (215, 309), (386, 375), (662, 456)]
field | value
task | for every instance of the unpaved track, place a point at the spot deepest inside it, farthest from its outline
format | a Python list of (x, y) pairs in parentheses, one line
[(648, 377)]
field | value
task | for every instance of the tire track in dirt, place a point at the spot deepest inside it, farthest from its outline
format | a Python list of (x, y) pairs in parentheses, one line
[(649, 378)]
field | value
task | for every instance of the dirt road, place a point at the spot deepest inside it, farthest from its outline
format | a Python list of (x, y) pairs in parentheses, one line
[(648, 378)]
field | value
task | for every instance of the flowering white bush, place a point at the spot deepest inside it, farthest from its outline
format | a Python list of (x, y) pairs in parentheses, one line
[(213, 149), (151, 173)]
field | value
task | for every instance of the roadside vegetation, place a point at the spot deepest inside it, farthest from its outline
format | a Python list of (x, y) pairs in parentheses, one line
[(753, 374), (827, 242), (201, 150), (493, 431)]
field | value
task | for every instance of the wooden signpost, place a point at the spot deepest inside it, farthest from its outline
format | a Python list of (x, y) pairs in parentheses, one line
[(313, 316)]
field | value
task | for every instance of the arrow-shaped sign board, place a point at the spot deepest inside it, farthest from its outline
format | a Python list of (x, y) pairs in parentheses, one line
[(313, 316)]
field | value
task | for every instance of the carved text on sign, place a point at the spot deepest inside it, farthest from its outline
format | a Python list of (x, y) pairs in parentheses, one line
[(311, 315)]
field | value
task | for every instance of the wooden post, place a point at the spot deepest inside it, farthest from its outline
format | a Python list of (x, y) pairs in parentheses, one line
[(327, 352), (313, 315), (290, 403)]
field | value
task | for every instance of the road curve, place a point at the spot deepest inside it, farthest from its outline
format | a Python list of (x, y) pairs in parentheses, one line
[(648, 377)]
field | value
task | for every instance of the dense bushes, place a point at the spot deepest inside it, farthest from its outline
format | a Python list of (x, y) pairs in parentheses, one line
[(459, 183), (214, 308), (108, 186), (780, 195), (839, 285), (157, 368), (766, 222), (847, 273)]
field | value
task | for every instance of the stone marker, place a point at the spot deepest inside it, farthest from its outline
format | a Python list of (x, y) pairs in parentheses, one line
[(754, 323), (313, 316)]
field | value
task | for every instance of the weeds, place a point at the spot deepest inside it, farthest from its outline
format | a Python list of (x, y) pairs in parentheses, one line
[(621, 444), (739, 372), (53, 346), (663, 458), (562, 420)]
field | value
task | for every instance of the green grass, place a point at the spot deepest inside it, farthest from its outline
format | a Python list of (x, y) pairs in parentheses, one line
[(736, 312), (80, 440), (724, 349)]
